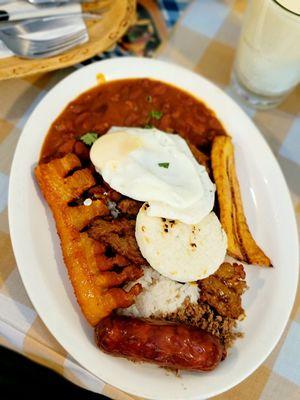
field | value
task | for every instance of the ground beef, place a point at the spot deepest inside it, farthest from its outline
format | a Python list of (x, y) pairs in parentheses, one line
[(205, 317)]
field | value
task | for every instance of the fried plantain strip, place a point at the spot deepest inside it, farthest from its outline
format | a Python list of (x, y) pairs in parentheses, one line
[(224, 192), (241, 244)]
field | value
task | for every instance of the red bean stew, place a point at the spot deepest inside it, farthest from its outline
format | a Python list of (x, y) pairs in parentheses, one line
[(131, 102)]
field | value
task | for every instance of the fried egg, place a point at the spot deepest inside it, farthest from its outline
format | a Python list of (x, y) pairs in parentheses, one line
[(157, 167), (179, 251)]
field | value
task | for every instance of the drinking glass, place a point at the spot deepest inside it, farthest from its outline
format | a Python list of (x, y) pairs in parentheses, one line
[(267, 63)]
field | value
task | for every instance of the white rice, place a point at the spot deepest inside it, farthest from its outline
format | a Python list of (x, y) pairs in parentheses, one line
[(160, 295)]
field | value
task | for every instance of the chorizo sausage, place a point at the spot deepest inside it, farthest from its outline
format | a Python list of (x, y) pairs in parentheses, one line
[(163, 343)]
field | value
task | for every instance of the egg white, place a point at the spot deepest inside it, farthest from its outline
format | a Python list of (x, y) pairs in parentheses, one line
[(157, 167)]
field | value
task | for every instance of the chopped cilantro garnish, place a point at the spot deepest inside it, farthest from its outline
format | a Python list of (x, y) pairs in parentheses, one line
[(89, 138), (164, 164), (148, 126), (149, 99), (155, 114)]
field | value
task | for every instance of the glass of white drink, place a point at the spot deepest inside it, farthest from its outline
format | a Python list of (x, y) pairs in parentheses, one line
[(267, 65)]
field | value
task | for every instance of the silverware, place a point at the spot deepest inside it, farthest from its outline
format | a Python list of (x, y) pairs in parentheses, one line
[(29, 23), (32, 48), (20, 10), (58, 2)]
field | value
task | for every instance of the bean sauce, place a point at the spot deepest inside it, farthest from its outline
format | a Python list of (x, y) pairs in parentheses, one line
[(136, 103)]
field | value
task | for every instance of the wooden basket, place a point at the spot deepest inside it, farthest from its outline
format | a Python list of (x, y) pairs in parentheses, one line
[(119, 15)]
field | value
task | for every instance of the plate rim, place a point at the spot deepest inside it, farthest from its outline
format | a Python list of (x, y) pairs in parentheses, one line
[(289, 207)]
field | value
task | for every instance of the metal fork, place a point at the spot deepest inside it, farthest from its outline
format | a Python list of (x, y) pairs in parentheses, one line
[(13, 37), (59, 2), (35, 49), (29, 48)]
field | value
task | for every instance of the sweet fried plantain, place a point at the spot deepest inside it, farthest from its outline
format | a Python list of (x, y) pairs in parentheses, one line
[(241, 244)]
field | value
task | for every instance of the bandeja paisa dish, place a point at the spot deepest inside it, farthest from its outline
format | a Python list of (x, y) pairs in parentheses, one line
[(140, 177)]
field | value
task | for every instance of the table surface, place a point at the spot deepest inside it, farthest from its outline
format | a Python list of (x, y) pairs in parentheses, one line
[(204, 40)]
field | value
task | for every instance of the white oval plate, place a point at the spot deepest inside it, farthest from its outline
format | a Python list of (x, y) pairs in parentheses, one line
[(268, 207)]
